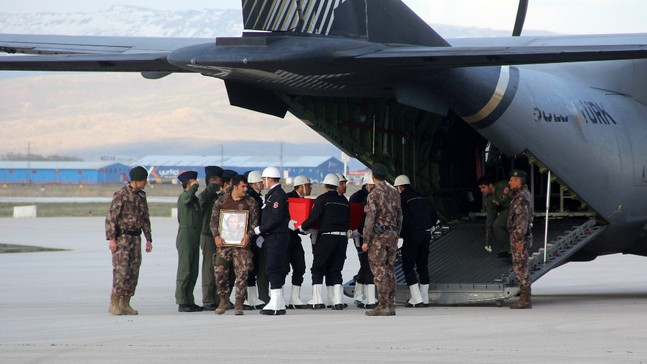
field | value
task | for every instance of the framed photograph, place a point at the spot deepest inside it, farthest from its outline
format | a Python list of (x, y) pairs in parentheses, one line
[(233, 226)]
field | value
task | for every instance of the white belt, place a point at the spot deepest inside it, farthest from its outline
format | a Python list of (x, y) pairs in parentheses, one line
[(340, 233)]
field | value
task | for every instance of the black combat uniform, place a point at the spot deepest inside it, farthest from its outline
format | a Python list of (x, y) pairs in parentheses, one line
[(364, 274), (418, 217), (296, 255), (275, 217)]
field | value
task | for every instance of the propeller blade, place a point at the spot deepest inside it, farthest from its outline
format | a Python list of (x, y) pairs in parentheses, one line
[(521, 18)]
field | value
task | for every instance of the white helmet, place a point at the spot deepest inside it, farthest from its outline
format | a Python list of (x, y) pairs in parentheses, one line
[(271, 172), (301, 180), (342, 178), (368, 178), (401, 180), (331, 179), (254, 177)]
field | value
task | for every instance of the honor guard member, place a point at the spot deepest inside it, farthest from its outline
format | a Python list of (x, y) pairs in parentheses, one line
[(275, 216), (364, 296), (519, 225), (341, 189), (381, 230), (187, 243), (227, 175), (496, 199), (240, 256), (257, 283), (125, 221), (418, 217), (332, 212), (296, 257), (213, 182)]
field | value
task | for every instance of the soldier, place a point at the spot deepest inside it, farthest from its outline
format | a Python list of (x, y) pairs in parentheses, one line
[(240, 256), (418, 217), (207, 198), (381, 230), (497, 198), (341, 189), (189, 217), (274, 230), (296, 256), (257, 283), (364, 284), (519, 223), (332, 212), (125, 221)]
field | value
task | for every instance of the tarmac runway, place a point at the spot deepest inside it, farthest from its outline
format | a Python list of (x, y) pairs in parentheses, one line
[(54, 309)]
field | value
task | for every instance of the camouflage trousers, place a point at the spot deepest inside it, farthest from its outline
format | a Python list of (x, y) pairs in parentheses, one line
[(520, 262), (242, 259), (382, 252), (126, 261)]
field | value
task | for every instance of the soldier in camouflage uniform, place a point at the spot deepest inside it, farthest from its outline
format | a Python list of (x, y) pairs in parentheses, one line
[(240, 255), (519, 221), (125, 221), (381, 230)]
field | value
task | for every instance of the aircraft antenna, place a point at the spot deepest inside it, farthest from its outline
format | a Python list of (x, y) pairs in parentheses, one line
[(521, 18)]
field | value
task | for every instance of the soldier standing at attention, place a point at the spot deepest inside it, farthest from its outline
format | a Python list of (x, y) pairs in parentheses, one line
[(418, 217), (257, 283), (519, 221), (332, 212), (207, 198), (381, 230), (187, 242), (364, 284), (275, 216), (125, 221), (496, 198), (240, 256), (296, 257)]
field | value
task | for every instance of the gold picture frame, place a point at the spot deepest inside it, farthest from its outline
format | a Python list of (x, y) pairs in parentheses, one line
[(232, 226)]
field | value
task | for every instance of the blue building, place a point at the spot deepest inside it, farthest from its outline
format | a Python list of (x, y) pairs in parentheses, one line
[(164, 168), (15, 172)]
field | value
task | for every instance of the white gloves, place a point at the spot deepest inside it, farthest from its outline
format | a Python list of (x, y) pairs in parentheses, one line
[(355, 234), (291, 225), (488, 248), (257, 230), (259, 241)]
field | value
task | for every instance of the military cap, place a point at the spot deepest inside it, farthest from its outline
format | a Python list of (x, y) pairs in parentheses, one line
[(138, 173), (228, 174), (519, 173), (213, 171), (187, 175), (379, 170)]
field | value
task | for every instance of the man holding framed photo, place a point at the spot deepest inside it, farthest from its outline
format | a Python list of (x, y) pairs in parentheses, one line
[(233, 220)]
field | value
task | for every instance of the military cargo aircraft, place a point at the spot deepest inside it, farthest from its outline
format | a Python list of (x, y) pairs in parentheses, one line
[(379, 83)]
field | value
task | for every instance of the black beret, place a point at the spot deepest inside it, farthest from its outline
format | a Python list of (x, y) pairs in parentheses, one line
[(185, 176), (519, 173), (228, 174), (138, 173), (213, 171), (379, 170)]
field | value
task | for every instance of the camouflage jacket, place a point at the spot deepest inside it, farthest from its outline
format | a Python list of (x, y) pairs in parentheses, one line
[(128, 211), (521, 216), (383, 208)]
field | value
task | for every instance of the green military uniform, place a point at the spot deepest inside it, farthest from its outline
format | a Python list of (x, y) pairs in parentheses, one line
[(207, 198), (189, 217), (497, 208)]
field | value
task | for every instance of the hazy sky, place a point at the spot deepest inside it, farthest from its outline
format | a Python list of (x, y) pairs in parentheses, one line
[(563, 16)]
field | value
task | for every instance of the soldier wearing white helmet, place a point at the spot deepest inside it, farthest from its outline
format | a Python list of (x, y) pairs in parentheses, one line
[(364, 296), (257, 282), (342, 184), (274, 231), (418, 217), (332, 212), (296, 254)]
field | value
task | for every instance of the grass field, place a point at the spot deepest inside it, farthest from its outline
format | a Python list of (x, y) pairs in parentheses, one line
[(103, 190)]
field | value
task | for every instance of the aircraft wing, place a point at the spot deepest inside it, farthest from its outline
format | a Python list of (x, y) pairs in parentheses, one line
[(91, 53), (427, 57)]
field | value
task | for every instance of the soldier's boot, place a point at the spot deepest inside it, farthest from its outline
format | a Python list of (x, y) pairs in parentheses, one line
[(358, 295), (316, 302), (238, 308), (381, 310), (337, 298), (124, 304), (416, 298), (391, 309), (371, 301), (524, 300), (424, 292), (114, 305), (276, 306), (223, 304), (327, 298), (253, 302), (295, 299)]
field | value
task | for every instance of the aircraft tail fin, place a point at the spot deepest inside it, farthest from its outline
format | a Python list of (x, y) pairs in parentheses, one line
[(380, 21)]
